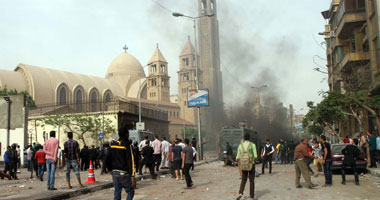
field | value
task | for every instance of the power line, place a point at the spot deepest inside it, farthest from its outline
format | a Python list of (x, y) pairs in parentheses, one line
[(162, 6)]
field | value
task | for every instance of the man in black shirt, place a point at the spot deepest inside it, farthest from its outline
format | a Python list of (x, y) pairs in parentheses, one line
[(84, 155), (350, 152), (267, 156), (147, 153), (228, 155), (120, 161), (327, 161)]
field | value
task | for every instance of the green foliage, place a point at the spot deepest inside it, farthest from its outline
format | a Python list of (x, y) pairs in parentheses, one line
[(83, 126), (5, 92), (315, 129)]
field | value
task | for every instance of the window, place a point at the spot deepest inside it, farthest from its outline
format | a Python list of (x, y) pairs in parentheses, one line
[(373, 6), (186, 77), (107, 97), (154, 82), (204, 6), (78, 100), (212, 6), (62, 96), (93, 100), (154, 68), (185, 61), (162, 68), (163, 82)]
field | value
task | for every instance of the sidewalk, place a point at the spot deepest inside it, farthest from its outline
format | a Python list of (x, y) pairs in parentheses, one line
[(26, 188), (374, 171)]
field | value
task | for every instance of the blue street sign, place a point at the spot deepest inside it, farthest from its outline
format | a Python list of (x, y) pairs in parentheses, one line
[(101, 136), (198, 98)]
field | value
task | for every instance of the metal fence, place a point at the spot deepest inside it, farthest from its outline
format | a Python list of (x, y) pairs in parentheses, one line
[(95, 107)]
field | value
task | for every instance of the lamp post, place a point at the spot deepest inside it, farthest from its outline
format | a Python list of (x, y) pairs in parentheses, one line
[(140, 92), (176, 14), (258, 89), (9, 101)]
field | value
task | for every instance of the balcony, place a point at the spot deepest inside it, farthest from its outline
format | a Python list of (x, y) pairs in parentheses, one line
[(349, 21), (353, 58), (350, 14)]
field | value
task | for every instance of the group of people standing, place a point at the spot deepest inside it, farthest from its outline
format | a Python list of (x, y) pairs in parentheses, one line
[(45, 158)]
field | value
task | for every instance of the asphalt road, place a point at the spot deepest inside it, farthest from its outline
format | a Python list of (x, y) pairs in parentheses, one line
[(213, 181)]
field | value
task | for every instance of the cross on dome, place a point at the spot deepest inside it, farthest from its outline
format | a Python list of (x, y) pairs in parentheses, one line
[(125, 48)]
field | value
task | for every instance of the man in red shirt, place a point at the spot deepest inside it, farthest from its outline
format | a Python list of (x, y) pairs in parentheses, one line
[(346, 140), (41, 161)]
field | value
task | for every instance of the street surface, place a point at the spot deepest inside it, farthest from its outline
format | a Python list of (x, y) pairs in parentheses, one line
[(215, 182)]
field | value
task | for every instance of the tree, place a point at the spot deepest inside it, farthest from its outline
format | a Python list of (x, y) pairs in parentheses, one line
[(82, 125), (5, 92)]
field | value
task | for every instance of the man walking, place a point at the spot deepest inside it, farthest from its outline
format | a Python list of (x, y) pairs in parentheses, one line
[(51, 151), (170, 159), (277, 156), (71, 153), (41, 161), (300, 154), (267, 156), (187, 161), (165, 152), (246, 157), (6, 165), (120, 161), (157, 146), (372, 149), (327, 161), (283, 149), (177, 159), (350, 152), (148, 161)]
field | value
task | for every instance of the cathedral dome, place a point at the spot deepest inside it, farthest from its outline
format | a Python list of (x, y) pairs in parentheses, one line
[(124, 64)]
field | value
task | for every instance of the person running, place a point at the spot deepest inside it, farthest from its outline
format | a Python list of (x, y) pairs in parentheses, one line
[(350, 152), (300, 154), (120, 162), (246, 157), (177, 160), (165, 151), (327, 161), (51, 151), (317, 152), (40, 157), (148, 159), (157, 146), (71, 153), (267, 156), (187, 161)]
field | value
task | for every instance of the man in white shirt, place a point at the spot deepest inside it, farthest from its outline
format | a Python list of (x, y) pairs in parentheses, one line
[(165, 150), (181, 144), (317, 151), (157, 146), (143, 143)]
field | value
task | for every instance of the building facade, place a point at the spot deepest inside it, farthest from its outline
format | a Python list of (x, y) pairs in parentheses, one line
[(352, 50)]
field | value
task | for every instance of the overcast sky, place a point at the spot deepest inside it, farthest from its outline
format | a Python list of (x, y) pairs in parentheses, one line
[(84, 36)]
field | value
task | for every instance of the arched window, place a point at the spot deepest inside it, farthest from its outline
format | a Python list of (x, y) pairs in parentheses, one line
[(78, 99), (94, 100), (62, 96), (108, 96)]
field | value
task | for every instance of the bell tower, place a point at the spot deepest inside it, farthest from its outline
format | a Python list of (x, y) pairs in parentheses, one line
[(210, 76), (158, 87), (186, 81)]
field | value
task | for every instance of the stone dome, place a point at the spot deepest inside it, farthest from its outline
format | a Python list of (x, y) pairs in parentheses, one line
[(124, 64)]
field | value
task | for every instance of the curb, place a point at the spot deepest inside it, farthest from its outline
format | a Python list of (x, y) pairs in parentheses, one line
[(373, 172), (95, 188)]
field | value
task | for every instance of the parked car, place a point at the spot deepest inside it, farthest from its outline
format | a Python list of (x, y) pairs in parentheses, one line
[(337, 157)]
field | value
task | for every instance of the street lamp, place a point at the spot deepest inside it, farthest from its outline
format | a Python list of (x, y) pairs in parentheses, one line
[(176, 14), (140, 92), (258, 89), (9, 101)]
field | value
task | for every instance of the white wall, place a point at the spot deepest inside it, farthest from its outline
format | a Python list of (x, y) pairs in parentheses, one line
[(16, 136)]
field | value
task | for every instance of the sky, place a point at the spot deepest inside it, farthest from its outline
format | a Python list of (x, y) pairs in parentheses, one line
[(262, 42)]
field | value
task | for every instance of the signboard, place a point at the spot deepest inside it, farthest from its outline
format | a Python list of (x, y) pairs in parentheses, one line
[(140, 126), (299, 126), (198, 98), (302, 132), (101, 136)]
